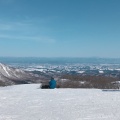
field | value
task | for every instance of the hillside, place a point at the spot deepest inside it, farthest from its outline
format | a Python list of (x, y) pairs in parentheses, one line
[(10, 76)]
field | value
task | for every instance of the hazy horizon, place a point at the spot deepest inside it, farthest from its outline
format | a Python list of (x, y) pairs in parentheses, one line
[(58, 57)]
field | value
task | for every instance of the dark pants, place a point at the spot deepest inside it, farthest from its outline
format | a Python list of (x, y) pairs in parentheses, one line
[(45, 87)]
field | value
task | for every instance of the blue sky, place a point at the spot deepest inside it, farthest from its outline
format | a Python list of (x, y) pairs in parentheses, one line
[(60, 28)]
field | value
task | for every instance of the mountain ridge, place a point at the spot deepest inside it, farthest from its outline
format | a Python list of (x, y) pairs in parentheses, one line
[(10, 75)]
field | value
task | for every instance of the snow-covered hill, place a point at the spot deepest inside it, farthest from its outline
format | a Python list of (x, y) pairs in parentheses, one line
[(10, 75), (27, 102)]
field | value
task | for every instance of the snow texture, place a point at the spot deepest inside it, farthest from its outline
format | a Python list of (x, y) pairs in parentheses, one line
[(10, 75), (28, 102), (10, 72)]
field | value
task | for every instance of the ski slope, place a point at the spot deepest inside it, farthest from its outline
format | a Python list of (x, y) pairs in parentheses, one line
[(27, 102)]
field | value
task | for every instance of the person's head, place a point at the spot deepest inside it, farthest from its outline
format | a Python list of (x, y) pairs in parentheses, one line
[(52, 78)]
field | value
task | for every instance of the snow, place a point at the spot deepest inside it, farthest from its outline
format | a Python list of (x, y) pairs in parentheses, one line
[(6, 71), (100, 71), (80, 71), (5, 68), (28, 102)]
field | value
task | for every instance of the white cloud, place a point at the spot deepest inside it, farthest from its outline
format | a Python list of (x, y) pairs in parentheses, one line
[(28, 38), (5, 27), (14, 25), (24, 30)]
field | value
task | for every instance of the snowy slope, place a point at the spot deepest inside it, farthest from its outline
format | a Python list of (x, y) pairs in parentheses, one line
[(27, 102), (10, 75), (11, 72)]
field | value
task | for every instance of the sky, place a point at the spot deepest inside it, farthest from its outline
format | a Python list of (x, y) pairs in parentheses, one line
[(60, 28)]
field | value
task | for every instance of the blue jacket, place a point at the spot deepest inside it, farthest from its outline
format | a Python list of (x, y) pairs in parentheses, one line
[(52, 84)]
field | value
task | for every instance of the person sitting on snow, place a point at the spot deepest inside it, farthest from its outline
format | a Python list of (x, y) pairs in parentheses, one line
[(52, 83)]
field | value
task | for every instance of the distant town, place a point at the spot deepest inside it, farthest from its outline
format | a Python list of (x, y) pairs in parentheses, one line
[(110, 70), (58, 66)]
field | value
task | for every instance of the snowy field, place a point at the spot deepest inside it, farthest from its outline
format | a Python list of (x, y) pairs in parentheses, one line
[(27, 102)]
